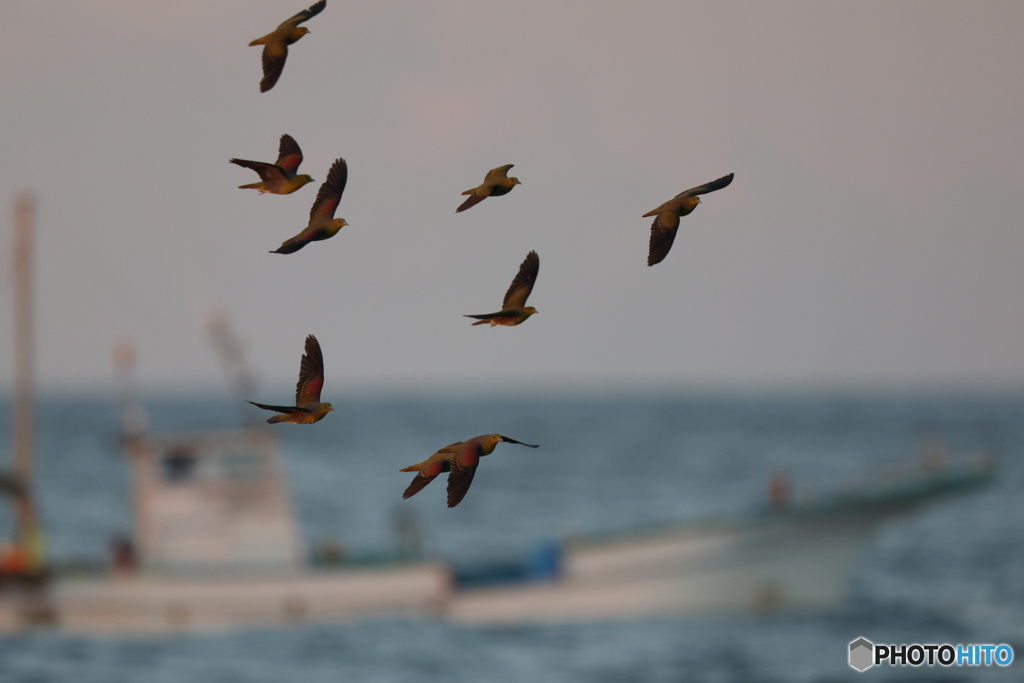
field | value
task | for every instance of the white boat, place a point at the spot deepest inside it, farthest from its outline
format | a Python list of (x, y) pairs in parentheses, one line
[(784, 557), (215, 546)]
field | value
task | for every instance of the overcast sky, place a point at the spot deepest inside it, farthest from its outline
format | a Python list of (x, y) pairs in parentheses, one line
[(872, 236)]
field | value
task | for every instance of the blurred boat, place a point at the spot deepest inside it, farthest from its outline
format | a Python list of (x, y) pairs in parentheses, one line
[(216, 546), (784, 556)]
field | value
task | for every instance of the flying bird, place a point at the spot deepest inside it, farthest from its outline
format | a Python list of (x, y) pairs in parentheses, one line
[(513, 309), (278, 177), (665, 226), (308, 408), (275, 50), (461, 459), (496, 183), (322, 223)]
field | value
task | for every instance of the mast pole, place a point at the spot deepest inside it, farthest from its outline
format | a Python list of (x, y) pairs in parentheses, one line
[(23, 416), (23, 427)]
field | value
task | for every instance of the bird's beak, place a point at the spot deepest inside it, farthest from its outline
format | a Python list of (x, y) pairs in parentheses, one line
[(508, 440)]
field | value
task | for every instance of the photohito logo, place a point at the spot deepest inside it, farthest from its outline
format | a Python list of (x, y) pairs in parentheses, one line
[(864, 654)]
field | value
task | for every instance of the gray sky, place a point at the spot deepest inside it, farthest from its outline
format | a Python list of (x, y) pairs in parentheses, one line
[(872, 236)]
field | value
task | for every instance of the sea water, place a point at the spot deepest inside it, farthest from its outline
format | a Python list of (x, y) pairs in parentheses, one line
[(951, 573)]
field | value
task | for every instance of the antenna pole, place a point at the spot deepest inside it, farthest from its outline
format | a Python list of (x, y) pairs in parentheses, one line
[(231, 353)]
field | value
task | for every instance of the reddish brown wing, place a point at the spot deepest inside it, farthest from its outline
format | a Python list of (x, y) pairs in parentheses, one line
[(311, 374), (315, 9), (717, 184), (329, 196), (291, 246), (279, 409), (274, 56), (418, 482), (523, 283), (267, 172), (459, 480), (661, 242), (485, 316), (471, 201), (289, 155), (496, 175)]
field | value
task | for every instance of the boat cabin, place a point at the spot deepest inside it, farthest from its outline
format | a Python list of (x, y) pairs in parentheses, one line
[(209, 501)]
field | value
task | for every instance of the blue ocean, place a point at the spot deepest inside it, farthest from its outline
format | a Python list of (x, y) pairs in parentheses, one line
[(950, 573)]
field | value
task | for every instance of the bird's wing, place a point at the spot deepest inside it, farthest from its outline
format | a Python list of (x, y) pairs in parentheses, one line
[(290, 246), (418, 482), (305, 14), (471, 201), (274, 56), (267, 172), (485, 316), (661, 241), (329, 196), (289, 155), (280, 409), (459, 480), (496, 174), (706, 187), (523, 283), (311, 374)]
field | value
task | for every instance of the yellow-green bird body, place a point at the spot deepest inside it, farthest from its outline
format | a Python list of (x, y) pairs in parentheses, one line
[(308, 408), (666, 223), (322, 223), (275, 50), (514, 309), (496, 183), (461, 459), (305, 417), (279, 177)]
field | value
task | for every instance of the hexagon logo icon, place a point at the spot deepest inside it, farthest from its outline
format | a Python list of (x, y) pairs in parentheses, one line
[(861, 654)]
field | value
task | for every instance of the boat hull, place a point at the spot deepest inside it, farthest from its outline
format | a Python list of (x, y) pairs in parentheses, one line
[(164, 604)]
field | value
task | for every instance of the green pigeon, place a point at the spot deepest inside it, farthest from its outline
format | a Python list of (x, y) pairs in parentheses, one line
[(275, 50), (496, 183), (514, 309), (322, 223), (308, 408), (278, 177), (461, 459), (665, 226)]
